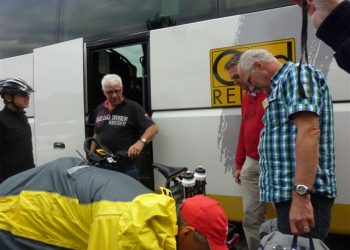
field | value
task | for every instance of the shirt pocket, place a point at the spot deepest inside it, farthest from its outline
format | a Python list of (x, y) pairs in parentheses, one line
[(275, 114)]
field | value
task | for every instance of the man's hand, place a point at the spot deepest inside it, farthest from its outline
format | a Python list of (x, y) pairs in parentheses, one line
[(319, 9), (237, 176), (301, 214), (135, 149)]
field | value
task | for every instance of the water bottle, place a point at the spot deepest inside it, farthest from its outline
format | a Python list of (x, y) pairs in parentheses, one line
[(188, 185), (200, 178)]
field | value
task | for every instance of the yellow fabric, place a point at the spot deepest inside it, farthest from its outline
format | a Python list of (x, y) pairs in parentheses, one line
[(148, 222), (147, 228)]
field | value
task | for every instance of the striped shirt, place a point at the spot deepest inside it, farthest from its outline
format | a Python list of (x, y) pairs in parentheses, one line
[(277, 139)]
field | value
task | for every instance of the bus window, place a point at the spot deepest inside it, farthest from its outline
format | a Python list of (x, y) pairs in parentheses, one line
[(232, 7), (25, 27), (110, 17)]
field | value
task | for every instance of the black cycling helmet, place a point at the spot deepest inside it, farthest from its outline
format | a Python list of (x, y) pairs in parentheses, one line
[(13, 86)]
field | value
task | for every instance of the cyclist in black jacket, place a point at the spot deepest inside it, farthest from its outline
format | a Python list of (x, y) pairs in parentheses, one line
[(16, 149)]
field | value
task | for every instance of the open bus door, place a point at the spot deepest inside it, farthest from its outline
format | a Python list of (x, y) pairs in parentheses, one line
[(129, 59), (59, 100)]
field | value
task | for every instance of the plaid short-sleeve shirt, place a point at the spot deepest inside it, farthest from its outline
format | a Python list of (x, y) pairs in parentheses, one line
[(277, 140)]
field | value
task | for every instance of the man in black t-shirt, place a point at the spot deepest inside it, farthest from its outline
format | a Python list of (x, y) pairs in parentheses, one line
[(16, 149), (122, 124)]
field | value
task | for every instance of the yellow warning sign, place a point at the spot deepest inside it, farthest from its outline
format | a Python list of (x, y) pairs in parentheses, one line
[(223, 92)]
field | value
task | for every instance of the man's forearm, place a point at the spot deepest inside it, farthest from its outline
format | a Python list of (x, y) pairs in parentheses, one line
[(93, 144), (306, 154), (306, 149), (150, 132)]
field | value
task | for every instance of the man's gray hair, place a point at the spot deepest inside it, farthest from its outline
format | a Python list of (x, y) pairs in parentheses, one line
[(111, 79), (250, 57)]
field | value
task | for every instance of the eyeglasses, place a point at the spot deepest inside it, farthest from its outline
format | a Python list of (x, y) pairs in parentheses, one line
[(23, 94), (111, 92)]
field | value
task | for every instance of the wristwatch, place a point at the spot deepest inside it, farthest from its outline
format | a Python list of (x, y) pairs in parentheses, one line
[(302, 189), (143, 139)]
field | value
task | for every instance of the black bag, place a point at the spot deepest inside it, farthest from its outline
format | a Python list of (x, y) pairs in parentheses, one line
[(279, 241)]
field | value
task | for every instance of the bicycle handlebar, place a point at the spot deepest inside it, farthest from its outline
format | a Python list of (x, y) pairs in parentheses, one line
[(103, 157)]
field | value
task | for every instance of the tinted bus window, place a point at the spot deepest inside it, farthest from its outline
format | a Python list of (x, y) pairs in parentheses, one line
[(231, 7), (97, 19), (196, 10), (26, 25), (35, 23), (90, 18)]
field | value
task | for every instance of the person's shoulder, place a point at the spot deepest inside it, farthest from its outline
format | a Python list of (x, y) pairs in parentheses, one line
[(305, 68), (245, 96), (129, 101), (100, 107), (310, 69), (2, 117), (132, 103), (282, 73), (4, 112)]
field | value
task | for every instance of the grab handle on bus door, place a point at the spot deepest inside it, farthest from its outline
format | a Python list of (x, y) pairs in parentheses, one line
[(59, 145)]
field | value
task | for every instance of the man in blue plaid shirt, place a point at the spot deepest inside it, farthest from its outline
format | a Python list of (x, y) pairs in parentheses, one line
[(297, 143)]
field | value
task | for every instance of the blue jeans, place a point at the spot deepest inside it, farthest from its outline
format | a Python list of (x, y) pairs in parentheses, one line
[(322, 212), (132, 170)]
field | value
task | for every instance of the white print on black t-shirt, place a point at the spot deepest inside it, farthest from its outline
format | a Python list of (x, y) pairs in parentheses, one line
[(103, 118), (114, 120)]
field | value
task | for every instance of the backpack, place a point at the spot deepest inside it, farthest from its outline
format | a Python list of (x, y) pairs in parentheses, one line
[(279, 241)]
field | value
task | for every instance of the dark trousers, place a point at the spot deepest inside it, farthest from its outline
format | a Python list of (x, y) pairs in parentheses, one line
[(132, 170), (322, 213)]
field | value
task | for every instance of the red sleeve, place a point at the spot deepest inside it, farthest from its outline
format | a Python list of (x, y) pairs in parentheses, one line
[(240, 151)]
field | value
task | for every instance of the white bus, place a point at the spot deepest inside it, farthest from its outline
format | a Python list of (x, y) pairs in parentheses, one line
[(176, 73)]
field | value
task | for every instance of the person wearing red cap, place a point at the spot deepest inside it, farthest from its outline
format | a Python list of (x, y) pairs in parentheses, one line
[(202, 225)]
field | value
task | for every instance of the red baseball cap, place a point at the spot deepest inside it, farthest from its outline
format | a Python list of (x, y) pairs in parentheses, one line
[(208, 218)]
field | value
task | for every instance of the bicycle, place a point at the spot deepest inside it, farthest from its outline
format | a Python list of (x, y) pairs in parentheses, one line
[(178, 180)]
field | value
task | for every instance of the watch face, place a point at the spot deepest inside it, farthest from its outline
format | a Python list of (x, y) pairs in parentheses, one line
[(301, 189)]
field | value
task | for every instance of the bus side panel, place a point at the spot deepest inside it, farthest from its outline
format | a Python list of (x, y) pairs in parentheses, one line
[(180, 65), (180, 69), (191, 139), (59, 100), (192, 134)]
